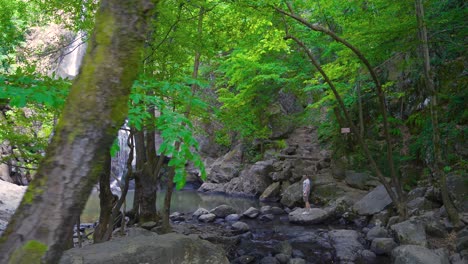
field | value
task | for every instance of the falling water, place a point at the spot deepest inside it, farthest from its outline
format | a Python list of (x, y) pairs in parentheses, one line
[(70, 60), (119, 161)]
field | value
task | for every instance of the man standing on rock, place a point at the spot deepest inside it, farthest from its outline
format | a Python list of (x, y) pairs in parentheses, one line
[(306, 189)]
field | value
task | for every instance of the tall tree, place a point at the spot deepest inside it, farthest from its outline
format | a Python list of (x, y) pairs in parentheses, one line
[(95, 110)]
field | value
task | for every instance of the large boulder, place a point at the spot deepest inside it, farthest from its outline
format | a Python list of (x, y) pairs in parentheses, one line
[(223, 210), (271, 194), (374, 202), (169, 248), (412, 254), (308, 216), (209, 187), (226, 167), (409, 232), (292, 196), (252, 181), (458, 190), (346, 244)]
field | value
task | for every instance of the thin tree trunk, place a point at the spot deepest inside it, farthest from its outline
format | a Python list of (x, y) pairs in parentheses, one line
[(170, 182), (380, 94), (401, 206), (96, 108), (428, 79), (361, 115), (106, 199)]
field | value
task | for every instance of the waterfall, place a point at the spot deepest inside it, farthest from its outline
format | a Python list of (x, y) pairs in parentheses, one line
[(119, 162), (70, 61)]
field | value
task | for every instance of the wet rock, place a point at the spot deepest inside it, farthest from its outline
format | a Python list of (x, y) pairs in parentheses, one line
[(176, 216), (376, 232), (252, 212), (206, 218), (241, 227), (368, 257), (282, 258), (271, 194), (267, 217), (346, 244), (408, 232), (277, 211), (374, 202), (232, 217), (283, 247), (297, 261), (246, 259), (266, 209), (269, 260), (200, 211), (169, 248), (383, 246), (308, 216), (223, 211), (413, 254)]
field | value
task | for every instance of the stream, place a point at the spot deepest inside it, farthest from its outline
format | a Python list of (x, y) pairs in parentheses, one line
[(311, 242)]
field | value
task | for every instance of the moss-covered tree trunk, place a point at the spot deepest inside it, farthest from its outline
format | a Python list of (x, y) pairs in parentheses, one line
[(95, 110)]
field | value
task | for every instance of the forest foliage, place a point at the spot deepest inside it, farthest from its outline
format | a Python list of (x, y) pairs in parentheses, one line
[(245, 62)]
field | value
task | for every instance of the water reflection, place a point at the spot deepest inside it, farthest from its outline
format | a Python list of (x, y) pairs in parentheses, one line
[(182, 201)]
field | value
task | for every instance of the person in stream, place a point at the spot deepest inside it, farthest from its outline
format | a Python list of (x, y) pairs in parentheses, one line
[(306, 183)]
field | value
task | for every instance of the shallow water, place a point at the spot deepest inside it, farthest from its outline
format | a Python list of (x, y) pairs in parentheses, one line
[(183, 201)]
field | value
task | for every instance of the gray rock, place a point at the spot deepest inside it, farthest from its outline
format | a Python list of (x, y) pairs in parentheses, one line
[(383, 246), (297, 261), (420, 203), (269, 260), (246, 259), (413, 254), (368, 257), (282, 258), (380, 219), (374, 202), (357, 180), (209, 187), (277, 211), (169, 248), (267, 217), (241, 227), (223, 211), (232, 217), (283, 247), (252, 181), (376, 232), (271, 193), (207, 217), (149, 225), (176, 216), (266, 209), (436, 229), (292, 196), (462, 243), (308, 216), (252, 212), (458, 189), (346, 244), (444, 255), (226, 167), (408, 232), (416, 192), (393, 220), (200, 211)]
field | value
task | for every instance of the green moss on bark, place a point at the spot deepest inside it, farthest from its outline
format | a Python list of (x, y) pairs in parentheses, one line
[(30, 253)]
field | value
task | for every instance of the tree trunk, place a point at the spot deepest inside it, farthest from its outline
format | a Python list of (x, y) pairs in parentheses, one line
[(428, 79), (380, 94), (106, 203), (96, 108), (399, 203)]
